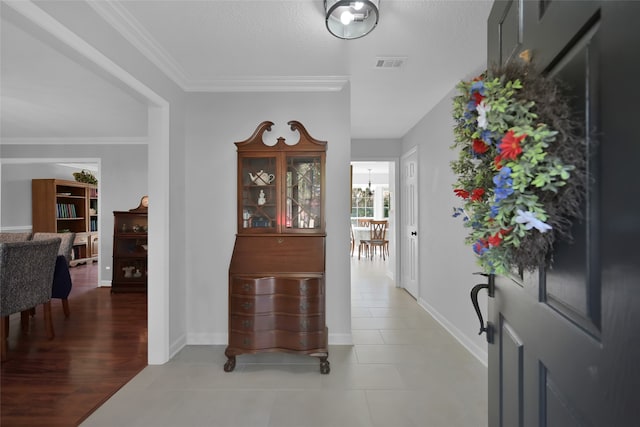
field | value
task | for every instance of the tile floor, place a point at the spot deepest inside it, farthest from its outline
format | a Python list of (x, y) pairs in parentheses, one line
[(404, 369)]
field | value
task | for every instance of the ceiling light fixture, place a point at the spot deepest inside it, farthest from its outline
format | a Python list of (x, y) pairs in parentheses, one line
[(351, 19)]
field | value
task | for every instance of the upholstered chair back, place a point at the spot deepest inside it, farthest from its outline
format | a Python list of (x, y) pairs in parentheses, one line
[(7, 237), (26, 274), (66, 245)]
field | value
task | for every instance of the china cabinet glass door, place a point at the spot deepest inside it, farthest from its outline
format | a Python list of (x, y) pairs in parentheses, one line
[(259, 195), (303, 193)]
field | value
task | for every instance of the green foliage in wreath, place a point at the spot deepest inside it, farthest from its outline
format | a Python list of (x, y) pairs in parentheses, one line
[(86, 177), (520, 169)]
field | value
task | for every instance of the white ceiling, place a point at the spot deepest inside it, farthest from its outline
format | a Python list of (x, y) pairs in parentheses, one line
[(242, 45)]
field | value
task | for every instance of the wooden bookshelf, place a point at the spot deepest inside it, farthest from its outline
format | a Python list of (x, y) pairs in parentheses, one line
[(60, 206)]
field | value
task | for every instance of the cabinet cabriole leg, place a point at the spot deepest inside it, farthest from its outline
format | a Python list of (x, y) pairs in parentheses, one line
[(231, 364), (324, 365)]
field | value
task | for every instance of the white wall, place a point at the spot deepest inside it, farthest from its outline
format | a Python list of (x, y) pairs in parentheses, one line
[(446, 263), (214, 123)]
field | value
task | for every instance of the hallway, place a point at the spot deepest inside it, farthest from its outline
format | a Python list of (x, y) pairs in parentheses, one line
[(404, 369)]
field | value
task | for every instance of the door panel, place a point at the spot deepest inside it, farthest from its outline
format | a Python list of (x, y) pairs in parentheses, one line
[(511, 375), (572, 286), (566, 349), (409, 228), (505, 35)]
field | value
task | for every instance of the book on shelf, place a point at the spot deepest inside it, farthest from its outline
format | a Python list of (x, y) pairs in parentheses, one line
[(66, 210)]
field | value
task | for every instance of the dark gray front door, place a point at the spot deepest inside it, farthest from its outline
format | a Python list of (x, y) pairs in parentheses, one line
[(566, 348)]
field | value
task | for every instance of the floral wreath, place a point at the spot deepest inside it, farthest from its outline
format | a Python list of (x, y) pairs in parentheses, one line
[(520, 168)]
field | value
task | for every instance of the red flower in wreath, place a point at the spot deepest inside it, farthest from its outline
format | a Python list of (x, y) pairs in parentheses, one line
[(510, 147), (477, 96), (479, 146), (477, 194), (496, 239), (464, 194)]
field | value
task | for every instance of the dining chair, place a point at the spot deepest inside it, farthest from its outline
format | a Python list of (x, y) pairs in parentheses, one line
[(353, 240), (61, 286), (26, 274), (377, 238)]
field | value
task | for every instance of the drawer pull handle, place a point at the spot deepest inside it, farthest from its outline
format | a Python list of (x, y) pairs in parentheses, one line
[(303, 307), (303, 289), (246, 305), (303, 342), (246, 341), (246, 324), (304, 325), (280, 240), (246, 286)]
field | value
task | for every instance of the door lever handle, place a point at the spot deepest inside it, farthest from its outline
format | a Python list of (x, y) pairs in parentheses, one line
[(490, 287)]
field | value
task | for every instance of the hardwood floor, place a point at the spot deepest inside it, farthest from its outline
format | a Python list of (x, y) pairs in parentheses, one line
[(99, 348)]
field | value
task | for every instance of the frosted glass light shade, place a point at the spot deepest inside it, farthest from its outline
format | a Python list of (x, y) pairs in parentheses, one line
[(351, 19)]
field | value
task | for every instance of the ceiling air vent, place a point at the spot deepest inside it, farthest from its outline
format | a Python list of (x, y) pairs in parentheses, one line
[(390, 62)]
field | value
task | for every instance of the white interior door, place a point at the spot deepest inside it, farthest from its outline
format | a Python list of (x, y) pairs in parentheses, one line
[(409, 225)]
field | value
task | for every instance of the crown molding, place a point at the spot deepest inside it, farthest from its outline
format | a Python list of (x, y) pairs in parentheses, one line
[(76, 140), (133, 31), (130, 28), (270, 84)]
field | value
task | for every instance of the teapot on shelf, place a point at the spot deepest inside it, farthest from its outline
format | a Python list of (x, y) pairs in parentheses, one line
[(262, 178)]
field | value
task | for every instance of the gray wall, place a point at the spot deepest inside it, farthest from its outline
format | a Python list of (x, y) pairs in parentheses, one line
[(123, 181), (375, 149), (446, 263), (167, 309), (15, 207), (214, 123)]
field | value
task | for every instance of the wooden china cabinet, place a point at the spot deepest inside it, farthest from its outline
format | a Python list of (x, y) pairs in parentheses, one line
[(277, 270), (130, 249)]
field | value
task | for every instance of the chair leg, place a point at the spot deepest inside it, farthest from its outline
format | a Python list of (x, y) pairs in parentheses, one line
[(4, 332), (48, 323), (65, 307)]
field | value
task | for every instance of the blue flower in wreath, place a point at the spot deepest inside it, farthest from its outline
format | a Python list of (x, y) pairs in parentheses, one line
[(480, 247), (471, 106), (487, 137), (478, 86), (503, 184)]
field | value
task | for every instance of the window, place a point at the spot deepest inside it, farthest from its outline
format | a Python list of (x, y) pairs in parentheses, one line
[(361, 203)]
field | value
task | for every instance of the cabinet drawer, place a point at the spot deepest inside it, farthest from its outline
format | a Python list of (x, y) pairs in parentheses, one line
[(282, 322), (277, 285), (258, 255), (283, 304), (278, 339)]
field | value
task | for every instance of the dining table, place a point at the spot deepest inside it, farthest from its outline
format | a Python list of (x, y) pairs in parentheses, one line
[(360, 233)]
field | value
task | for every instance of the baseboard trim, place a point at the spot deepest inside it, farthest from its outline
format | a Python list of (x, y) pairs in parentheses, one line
[(478, 352)]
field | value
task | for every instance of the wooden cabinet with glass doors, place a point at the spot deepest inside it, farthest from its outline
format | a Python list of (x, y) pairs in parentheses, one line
[(129, 251), (277, 269), (280, 192)]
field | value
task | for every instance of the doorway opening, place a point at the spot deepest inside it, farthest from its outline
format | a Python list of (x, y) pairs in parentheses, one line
[(373, 197)]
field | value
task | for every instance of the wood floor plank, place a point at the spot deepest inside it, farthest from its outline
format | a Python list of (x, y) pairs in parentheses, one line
[(98, 349)]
